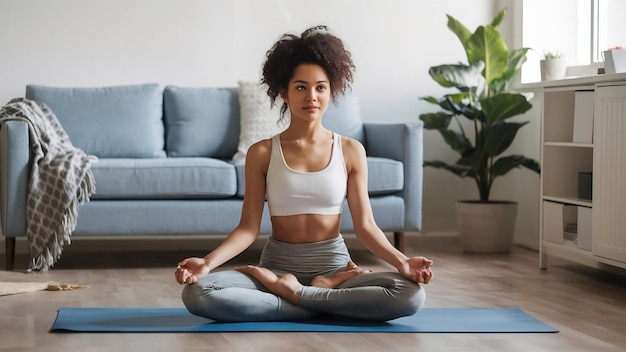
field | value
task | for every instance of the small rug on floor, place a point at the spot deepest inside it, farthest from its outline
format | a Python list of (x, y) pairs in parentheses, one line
[(427, 320), (12, 283)]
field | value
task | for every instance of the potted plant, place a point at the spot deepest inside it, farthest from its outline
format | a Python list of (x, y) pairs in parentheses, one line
[(481, 97), (552, 66)]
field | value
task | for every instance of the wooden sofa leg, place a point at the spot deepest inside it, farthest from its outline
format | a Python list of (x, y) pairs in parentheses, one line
[(398, 240), (10, 252)]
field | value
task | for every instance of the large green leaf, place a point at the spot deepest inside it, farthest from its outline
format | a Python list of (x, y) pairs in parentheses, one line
[(487, 45), (462, 77), (473, 112), (456, 140), (517, 57), (505, 164), (474, 159), (458, 104), (431, 100), (440, 122), (498, 19), (498, 138), (503, 106), (459, 170), (447, 104), (436, 121), (531, 164), (459, 30)]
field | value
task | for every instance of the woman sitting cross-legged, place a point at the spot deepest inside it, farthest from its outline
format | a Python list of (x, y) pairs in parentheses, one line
[(305, 173)]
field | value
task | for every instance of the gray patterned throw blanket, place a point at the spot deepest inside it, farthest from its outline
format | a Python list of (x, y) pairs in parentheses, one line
[(60, 179)]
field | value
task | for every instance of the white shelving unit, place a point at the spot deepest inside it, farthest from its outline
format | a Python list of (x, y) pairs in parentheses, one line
[(603, 241)]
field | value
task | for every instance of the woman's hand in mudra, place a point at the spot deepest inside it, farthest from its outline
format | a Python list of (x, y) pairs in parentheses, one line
[(190, 270), (417, 269)]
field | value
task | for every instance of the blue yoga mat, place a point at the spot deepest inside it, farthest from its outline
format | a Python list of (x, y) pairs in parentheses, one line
[(427, 320)]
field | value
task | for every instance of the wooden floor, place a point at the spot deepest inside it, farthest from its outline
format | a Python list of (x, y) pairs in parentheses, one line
[(588, 306)]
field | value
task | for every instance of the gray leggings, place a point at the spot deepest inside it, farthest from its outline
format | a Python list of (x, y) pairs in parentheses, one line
[(233, 296)]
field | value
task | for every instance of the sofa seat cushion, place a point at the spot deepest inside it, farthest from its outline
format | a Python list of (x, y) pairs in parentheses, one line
[(164, 178), (109, 122), (385, 176)]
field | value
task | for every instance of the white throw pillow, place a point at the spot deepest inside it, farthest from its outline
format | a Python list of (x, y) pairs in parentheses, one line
[(258, 119)]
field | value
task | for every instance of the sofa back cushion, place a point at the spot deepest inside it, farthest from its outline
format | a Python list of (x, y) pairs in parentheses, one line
[(258, 118), (118, 121), (201, 121), (345, 117)]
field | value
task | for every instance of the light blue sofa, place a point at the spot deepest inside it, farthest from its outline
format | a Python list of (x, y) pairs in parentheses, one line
[(165, 161)]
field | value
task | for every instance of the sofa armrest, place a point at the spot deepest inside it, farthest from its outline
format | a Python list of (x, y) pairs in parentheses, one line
[(402, 142), (15, 157)]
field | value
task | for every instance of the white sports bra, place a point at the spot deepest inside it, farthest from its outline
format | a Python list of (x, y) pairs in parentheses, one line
[(292, 192)]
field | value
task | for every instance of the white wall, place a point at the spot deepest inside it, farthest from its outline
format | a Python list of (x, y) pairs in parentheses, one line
[(218, 42)]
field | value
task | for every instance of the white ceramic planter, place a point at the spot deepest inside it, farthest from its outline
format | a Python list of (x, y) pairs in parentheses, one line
[(486, 227), (552, 69)]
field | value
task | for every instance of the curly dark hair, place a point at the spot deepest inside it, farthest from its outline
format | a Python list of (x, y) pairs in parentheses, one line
[(314, 46)]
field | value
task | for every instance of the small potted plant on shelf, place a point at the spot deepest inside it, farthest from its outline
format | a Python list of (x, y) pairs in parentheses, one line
[(481, 96), (552, 66)]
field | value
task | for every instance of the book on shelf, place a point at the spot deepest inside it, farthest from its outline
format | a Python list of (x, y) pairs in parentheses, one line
[(571, 231), (557, 220), (583, 116), (583, 238)]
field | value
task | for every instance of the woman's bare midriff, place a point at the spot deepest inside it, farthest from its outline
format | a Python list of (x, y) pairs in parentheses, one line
[(305, 228)]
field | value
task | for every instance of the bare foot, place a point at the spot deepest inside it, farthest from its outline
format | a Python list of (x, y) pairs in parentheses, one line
[(286, 286), (334, 281)]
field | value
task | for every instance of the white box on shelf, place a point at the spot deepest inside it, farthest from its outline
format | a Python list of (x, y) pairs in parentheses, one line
[(583, 240), (583, 116), (555, 216), (614, 61)]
